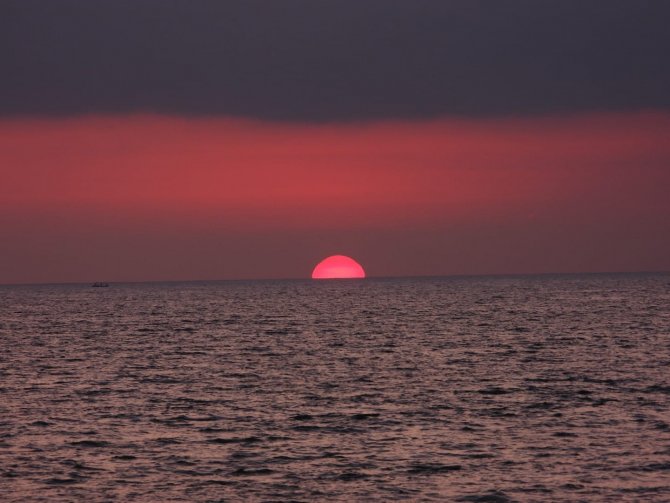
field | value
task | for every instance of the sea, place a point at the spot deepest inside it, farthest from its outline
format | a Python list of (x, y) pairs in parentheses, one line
[(467, 389)]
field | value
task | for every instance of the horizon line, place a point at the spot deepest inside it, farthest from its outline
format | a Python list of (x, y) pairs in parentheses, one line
[(309, 279)]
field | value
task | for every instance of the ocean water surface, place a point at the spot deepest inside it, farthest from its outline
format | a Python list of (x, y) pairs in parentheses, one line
[(544, 388)]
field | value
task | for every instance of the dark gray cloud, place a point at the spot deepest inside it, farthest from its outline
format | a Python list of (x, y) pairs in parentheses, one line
[(332, 60)]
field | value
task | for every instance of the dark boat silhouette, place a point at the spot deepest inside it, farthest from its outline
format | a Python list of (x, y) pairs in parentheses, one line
[(100, 285)]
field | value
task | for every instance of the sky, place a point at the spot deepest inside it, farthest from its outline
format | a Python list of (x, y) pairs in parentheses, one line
[(174, 140)]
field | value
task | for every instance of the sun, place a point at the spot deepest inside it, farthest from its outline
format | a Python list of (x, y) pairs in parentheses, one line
[(338, 266)]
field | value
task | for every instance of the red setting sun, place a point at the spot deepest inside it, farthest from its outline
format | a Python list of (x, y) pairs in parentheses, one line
[(338, 266)]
